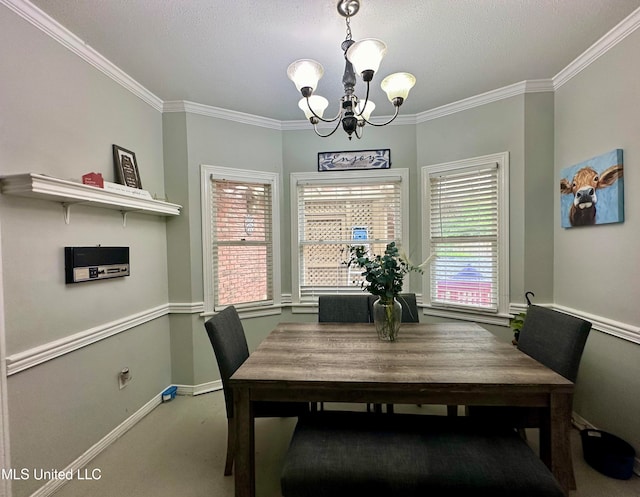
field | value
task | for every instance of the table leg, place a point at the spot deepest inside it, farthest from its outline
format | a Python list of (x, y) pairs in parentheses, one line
[(555, 441), (245, 464)]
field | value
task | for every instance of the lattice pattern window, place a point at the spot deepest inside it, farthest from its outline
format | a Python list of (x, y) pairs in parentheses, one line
[(332, 214)]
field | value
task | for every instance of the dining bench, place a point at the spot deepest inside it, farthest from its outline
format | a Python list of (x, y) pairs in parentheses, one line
[(342, 454)]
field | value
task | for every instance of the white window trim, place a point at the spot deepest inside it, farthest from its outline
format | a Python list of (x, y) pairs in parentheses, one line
[(218, 172), (339, 177), (502, 159)]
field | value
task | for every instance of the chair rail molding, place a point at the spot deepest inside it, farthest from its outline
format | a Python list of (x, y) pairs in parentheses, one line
[(29, 358), (56, 348), (625, 331)]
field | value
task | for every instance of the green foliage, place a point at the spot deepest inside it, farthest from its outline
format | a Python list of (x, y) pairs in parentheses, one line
[(516, 323), (383, 274)]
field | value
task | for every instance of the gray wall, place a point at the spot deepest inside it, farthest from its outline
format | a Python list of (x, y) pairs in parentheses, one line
[(596, 267), (59, 116), (191, 140), (300, 154)]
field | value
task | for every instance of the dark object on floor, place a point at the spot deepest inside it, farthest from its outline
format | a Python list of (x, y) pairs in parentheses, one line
[(342, 454), (608, 454)]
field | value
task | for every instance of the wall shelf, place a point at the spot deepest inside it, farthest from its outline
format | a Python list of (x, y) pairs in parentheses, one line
[(69, 193)]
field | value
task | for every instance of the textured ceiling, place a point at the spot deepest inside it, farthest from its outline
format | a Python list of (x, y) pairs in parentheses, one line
[(234, 54)]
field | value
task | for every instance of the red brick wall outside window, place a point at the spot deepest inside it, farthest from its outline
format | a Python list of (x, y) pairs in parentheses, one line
[(242, 248)]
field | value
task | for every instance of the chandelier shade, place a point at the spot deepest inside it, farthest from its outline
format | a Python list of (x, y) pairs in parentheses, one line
[(315, 105), (366, 55), (305, 73), (365, 110), (397, 85), (360, 57)]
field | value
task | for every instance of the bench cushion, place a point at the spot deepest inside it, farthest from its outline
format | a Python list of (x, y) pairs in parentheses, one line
[(336, 454)]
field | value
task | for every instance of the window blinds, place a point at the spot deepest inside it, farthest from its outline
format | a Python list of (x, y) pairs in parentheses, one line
[(242, 242), (464, 237), (332, 216)]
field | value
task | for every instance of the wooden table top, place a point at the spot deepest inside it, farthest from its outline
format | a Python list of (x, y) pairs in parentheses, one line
[(446, 355)]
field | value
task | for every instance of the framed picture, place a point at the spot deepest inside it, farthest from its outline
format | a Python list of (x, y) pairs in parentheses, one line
[(126, 167), (354, 159), (592, 192)]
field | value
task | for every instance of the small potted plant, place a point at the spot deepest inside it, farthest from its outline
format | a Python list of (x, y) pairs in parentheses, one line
[(517, 322)]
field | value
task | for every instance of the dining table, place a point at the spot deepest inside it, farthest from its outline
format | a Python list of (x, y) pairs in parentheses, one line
[(442, 364)]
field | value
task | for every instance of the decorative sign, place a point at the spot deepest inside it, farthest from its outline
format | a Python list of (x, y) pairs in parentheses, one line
[(126, 167), (354, 159)]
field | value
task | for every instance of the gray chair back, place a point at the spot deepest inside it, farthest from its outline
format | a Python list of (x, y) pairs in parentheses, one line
[(230, 347), (343, 309), (555, 339), (409, 306)]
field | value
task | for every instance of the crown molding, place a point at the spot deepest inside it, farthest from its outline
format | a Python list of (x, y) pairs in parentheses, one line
[(599, 48), (66, 38), (228, 115), (45, 23), (531, 86)]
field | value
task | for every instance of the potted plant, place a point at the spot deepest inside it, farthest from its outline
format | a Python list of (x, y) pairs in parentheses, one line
[(383, 276), (516, 323)]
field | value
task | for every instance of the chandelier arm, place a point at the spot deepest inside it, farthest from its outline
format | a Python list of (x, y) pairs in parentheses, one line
[(383, 124), (320, 118), (358, 136), (315, 128), (364, 106)]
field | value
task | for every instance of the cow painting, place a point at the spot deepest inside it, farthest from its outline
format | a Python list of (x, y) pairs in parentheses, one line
[(592, 191)]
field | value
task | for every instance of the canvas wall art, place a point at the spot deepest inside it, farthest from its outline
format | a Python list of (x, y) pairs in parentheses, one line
[(592, 192)]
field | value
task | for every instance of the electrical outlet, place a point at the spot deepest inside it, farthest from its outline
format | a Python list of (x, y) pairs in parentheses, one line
[(124, 377)]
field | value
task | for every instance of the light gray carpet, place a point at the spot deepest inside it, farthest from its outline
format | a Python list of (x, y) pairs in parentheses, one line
[(179, 450)]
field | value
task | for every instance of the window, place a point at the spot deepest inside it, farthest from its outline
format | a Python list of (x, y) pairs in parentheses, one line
[(333, 210), (465, 226), (240, 238)]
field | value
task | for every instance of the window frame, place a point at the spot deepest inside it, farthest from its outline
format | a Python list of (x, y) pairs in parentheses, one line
[(208, 172), (503, 293), (341, 177)]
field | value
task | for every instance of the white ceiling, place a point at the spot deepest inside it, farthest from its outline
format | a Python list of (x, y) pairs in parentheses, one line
[(234, 54)]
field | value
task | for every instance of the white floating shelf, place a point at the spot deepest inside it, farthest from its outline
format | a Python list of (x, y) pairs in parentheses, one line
[(69, 193)]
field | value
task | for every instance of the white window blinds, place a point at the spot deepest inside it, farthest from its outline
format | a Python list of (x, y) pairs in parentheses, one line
[(333, 215), (464, 236), (242, 242)]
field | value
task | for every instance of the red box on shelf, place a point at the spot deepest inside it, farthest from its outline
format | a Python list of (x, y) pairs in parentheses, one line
[(93, 179)]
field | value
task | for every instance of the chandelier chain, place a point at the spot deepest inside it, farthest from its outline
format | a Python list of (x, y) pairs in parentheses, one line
[(348, 21)]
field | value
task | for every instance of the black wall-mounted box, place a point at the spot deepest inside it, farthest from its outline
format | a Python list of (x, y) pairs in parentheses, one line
[(95, 263)]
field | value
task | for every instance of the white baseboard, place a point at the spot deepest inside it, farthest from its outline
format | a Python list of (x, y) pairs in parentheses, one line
[(53, 485), (192, 390), (580, 423)]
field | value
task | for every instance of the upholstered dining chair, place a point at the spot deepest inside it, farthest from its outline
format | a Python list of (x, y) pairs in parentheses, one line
[(342, 308), (229, 343), (552, 338)]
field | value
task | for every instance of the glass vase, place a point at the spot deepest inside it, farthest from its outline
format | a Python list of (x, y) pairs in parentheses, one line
[(387, 317)]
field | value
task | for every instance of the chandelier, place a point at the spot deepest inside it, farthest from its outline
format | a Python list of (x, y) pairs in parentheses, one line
[(362, 57)]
